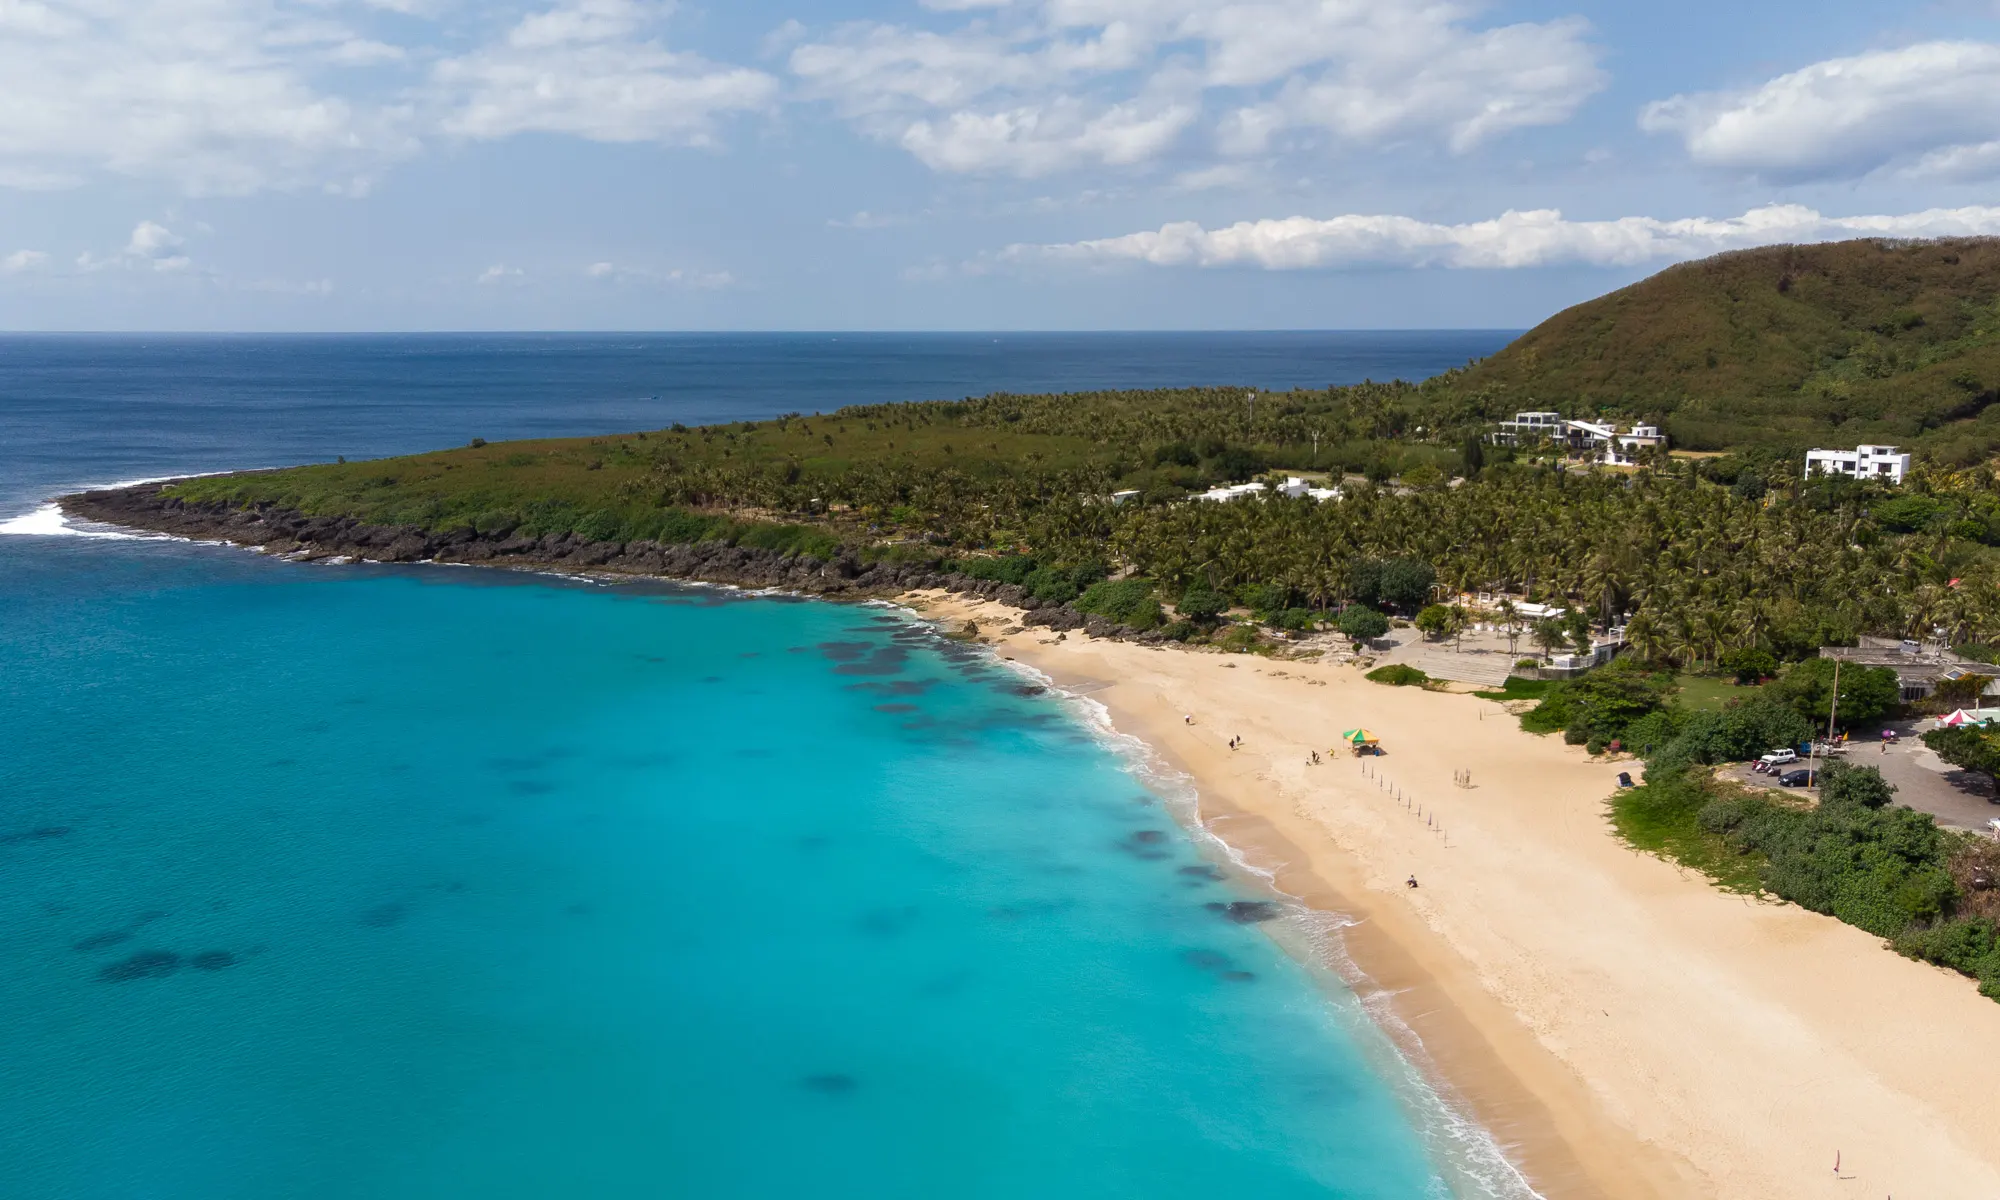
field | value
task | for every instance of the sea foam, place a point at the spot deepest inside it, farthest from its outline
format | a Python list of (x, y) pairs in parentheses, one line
[(50, 521)]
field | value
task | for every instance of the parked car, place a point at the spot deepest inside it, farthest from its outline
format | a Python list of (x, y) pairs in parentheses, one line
[(1778, 758), (1799, 778)]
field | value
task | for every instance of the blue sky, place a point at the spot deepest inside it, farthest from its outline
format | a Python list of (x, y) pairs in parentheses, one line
[(953, 164)]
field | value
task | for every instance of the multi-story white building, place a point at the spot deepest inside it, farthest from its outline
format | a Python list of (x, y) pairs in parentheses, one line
[(1530, 427), (1593, 439), (1863, 462)]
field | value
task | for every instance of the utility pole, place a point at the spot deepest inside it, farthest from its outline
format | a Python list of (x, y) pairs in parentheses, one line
[(1832, 711)]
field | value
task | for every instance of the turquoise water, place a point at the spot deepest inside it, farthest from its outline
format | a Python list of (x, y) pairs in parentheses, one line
[(324, 883), (356, 882)]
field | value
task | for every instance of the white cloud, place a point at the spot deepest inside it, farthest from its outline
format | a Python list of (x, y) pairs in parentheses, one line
[(239, 96), (216, 96), (152, 247), (21, 261), (1930, 109), (499, 273), (677, 277), (587, 68), (1539, 238), (1049, 85)]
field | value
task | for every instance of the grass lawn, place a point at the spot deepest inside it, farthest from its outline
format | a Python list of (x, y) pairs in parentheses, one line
[(1709, 693), (1518, 689)]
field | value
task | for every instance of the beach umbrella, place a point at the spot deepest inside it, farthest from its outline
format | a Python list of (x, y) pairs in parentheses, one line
[(1359, 737), (1956, 719)]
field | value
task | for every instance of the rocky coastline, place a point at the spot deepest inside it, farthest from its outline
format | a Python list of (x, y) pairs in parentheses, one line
[(296, 535)]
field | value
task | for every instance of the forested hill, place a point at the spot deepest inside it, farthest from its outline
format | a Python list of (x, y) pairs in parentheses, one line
[(1841, 343)]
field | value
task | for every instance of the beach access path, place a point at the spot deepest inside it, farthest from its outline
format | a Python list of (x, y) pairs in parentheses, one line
[(1623, 1027)]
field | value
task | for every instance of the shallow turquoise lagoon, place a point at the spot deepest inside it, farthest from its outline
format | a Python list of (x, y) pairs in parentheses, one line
[(327, 883)]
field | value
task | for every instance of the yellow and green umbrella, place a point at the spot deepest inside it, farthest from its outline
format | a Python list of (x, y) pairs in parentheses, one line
[(1360, 737)]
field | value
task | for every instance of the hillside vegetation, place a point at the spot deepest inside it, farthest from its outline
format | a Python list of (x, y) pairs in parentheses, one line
[(1738, 554), (1838, 344)]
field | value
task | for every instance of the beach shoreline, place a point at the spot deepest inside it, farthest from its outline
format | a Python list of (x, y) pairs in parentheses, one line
[(1620, 1027)]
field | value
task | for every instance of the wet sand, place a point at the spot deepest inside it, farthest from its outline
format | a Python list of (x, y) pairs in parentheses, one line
[(1623, 1028)]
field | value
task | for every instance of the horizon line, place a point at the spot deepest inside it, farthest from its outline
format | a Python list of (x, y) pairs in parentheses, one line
[(835, 333)]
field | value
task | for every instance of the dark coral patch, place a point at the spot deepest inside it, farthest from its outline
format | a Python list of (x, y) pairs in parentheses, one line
[(1206, 960), (103, 941), (146, 964), (895, 708), (1145, 844), (44, 834), (382, 916), (886, 922), (1246, 912), (896, 687), (212, 960), (886, 661), (845, 651)]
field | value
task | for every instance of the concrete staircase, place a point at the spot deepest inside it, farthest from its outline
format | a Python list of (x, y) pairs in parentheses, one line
[(1484, 667)]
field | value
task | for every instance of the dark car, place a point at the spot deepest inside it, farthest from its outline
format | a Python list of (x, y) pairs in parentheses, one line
[(1798, 778)]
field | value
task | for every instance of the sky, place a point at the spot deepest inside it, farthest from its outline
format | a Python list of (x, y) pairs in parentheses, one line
[(386, 165)]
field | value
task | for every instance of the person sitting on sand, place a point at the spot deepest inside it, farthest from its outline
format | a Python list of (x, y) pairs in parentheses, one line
[(1412, 883)]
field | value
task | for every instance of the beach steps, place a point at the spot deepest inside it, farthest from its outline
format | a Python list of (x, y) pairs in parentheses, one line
[(1483, 667)]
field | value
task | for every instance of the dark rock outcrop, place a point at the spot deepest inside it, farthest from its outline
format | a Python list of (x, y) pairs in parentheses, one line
[(284, 531)]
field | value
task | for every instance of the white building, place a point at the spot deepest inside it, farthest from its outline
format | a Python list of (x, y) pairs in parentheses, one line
[(1234, 491), (1529, 427), (1863, 462), (1293, 487), (1624, 449), (1592, 439)]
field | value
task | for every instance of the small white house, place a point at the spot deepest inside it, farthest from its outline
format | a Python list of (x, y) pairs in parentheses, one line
[(1293, 488), (1234, 491), (1863, 462)]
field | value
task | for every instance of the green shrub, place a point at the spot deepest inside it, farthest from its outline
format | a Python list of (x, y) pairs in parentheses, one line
[(1741, 730), (1362, 624), (1125, 601), (1201, 604), (1399, 675), (1970, 945), (1601, 704), (1294, 620), (494, 524), (600, 526), (1239, 639), (1866, 693)]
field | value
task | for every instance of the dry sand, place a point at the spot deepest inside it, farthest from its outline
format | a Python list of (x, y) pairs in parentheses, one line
[(1624, 1028)]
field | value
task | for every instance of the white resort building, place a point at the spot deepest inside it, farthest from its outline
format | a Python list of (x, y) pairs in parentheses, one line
[(1293, 488), (1862, 462), (1595, 440)]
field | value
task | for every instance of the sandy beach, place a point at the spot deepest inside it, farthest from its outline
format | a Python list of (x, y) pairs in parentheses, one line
[(1624, 1028)]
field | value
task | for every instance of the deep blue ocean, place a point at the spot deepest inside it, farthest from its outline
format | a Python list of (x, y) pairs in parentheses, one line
[(332, 883)]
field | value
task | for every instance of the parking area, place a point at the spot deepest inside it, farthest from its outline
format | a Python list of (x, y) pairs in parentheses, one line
[(1957, 798)]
